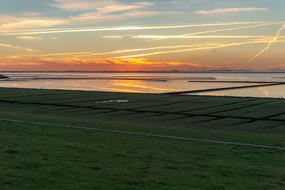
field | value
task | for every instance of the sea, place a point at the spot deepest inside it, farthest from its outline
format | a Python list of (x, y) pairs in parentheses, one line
[(244, 84)]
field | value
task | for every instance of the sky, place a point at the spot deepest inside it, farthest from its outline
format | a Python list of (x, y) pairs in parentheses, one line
[(131, 35)]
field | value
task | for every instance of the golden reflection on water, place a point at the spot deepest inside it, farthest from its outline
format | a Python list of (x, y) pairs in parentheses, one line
[(264, 91), (127, 90), (139, 86)]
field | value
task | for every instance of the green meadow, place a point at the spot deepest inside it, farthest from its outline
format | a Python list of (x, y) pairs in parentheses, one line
[(53, 139)]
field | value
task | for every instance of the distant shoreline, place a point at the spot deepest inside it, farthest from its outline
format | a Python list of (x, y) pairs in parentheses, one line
[(277, 72)]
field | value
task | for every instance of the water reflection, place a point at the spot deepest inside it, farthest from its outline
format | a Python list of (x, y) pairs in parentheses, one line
[(144, 83), (267, 92), (142, 86), (116, 85)]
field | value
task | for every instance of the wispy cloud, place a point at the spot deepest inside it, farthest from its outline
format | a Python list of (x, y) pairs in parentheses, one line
[(73, 5), (60, 63), (15, 22), (104, 11), (106, 6), (230, 10), (87, 11), (96, 17), (4, 45), (29, 37), (90, 12)]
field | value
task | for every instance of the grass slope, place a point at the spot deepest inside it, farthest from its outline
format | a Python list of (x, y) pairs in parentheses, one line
[(35, 156)]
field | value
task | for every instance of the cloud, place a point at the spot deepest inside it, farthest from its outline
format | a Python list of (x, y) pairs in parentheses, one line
[(230, 10), (106, 6), (96, 17), (97, 9), (14, 22), (93, 12), (91, 64), (4, 45), (29, 38), (73, 5), (113, 10)]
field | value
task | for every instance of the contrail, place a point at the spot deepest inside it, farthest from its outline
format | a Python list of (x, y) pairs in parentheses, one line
[(228, 29), (223, 30), (197, 37), (194, 47), (269, 45), (122, 28), (197, 49), (82, 54), (151, 48)]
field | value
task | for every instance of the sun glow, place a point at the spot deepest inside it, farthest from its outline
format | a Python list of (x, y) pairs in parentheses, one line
[(38, 42)]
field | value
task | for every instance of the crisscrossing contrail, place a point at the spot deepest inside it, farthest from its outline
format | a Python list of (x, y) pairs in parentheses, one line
[(269, 45)]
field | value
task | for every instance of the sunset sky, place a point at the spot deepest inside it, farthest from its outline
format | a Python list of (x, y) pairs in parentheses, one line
[(158, 35)]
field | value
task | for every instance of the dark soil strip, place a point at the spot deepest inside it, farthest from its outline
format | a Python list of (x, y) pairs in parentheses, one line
[(217, 106), (241, 107), (222, 89), (275, 115), (161, 105), (232, 81)]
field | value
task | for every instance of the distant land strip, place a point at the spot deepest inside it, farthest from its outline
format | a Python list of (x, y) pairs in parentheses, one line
[(90, 78), (142, 78)]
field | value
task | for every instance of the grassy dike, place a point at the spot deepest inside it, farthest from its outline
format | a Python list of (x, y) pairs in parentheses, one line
[(41, 150)]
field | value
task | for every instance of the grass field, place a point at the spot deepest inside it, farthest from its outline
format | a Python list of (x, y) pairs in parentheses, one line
[(94, 140)]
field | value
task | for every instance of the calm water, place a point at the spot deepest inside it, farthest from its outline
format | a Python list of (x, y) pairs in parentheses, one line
[(151, 82)]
